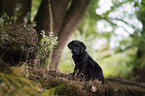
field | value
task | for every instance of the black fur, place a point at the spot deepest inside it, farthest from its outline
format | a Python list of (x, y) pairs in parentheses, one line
[(84, 64)]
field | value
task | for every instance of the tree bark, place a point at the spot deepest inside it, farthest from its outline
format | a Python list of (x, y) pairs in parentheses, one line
[(70, 23), (1, 2)]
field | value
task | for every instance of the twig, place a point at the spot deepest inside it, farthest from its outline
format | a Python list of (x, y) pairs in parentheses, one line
[(51, 17), (51, 30)]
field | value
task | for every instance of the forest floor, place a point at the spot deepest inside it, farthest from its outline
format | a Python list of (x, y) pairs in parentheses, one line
[(50, 83)]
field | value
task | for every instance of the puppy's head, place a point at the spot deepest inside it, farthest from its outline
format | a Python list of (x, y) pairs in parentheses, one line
[(76, 47)]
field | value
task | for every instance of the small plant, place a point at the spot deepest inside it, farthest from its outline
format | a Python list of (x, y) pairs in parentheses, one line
[(6, 20), (45, 48)]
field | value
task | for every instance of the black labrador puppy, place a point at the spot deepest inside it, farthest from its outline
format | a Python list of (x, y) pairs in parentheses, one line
[(84, 64)]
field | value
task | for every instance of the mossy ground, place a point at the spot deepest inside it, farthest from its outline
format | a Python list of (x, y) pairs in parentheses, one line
[(50, 83)]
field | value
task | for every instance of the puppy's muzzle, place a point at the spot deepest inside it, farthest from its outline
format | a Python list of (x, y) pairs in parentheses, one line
[(75, 52)]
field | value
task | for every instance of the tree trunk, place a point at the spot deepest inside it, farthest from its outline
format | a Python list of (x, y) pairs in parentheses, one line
[(59, 9), (1, 3), (71, 22), (65, 20), (141, 43)]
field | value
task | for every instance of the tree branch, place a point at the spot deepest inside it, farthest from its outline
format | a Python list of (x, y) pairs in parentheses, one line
[(118, 51), (109, 20)]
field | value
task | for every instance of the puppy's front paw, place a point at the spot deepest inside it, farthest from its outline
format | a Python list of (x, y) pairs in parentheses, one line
[(71, 76)]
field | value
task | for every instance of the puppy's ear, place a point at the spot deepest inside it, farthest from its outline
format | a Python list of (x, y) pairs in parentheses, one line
[(70, 45), (83, 47)]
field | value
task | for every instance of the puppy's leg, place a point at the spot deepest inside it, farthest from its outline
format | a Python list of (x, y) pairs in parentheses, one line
[(81, 70), (72, 75), (75, 71), (81, 73)]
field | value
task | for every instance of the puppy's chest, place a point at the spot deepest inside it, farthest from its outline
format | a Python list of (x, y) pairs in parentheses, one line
[(77, 59)]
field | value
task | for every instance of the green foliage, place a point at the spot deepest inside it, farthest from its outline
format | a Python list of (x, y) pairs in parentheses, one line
[(121, 59), (89, 19), (118, 67), (6, 20)]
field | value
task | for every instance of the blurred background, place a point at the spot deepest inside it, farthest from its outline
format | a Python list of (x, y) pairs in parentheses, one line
[(114, 33)]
